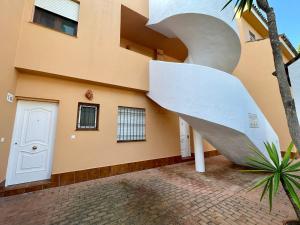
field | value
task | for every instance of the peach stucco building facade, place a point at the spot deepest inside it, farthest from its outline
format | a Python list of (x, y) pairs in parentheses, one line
[(109, 56)]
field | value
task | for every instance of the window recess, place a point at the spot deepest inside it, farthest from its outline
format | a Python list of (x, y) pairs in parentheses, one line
[(60, 15), (87, 116), (252, 36)]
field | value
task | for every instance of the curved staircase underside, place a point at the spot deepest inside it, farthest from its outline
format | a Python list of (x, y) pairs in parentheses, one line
[(202, 90)]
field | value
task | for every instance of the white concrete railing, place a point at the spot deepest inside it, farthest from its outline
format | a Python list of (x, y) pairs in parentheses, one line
[(294, 73), (201, 91)]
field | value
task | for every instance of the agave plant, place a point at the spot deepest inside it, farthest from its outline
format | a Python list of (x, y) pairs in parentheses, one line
[(284, 172)]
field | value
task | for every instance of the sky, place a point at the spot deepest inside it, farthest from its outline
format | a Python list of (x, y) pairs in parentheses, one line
[(288, 18)]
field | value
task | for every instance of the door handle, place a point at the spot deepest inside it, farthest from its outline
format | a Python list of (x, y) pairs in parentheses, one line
[(34, 148)]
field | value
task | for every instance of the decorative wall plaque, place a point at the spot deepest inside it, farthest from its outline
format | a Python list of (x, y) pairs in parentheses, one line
[(253, 120), (89, 95)]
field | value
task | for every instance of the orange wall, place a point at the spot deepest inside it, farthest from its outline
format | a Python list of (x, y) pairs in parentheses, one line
[(99, 148), (255, 71), (95, 54), (10, 19), (132, 46), (129, 45), (139, 6), (244, 28)]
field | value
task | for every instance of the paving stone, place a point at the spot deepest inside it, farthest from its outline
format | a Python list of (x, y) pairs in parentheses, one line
[(171, 195)]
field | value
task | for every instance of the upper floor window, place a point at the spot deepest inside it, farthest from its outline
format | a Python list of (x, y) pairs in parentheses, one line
[(60, 15), (252, 36)]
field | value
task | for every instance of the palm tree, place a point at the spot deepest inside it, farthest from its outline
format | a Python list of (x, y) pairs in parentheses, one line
[(279, 172), (285, 91)]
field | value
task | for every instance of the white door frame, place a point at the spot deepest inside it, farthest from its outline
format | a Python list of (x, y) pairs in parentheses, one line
[(12, 162), (185, 138)]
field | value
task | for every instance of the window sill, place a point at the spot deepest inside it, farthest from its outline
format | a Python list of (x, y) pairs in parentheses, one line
[(131, 141), (57, 31), (87, 129)]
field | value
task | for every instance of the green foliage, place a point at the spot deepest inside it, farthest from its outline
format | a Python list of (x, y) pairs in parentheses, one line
[(298, 49), (278, 172), (240, 5)]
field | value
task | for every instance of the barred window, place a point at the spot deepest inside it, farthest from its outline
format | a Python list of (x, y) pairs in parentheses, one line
[(88, 115), (131, 124), (252, 36)]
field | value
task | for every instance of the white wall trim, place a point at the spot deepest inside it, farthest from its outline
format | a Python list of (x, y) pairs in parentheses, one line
[(65, 8)]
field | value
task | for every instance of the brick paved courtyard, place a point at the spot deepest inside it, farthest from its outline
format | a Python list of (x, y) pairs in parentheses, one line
[(173, 194)]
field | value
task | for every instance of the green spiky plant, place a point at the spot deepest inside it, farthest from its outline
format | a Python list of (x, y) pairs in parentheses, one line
[(278, 172)]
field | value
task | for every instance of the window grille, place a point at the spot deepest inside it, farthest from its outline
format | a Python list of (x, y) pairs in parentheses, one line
[(87, 116), (131, 124)]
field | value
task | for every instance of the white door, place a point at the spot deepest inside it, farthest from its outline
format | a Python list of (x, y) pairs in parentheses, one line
[(31, 151), (184, 138)]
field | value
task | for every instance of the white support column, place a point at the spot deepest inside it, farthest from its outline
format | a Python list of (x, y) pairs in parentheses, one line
[(199, 152)]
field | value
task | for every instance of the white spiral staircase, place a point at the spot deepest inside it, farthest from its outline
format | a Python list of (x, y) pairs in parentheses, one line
[(202, 90)]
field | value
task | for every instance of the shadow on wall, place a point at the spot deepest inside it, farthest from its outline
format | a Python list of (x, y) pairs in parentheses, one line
[(136, 36)]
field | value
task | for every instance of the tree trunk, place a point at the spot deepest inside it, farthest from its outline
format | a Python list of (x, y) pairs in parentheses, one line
[(285, 91), (297, 210)]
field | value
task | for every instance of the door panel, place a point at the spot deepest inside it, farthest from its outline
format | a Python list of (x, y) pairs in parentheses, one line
[(184, 138), (36, 126), (33, 140), (30, 162)]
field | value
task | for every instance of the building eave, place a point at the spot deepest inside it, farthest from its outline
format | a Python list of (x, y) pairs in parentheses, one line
[(261, 22), (260, 15), (287, 67), (289, 44)]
